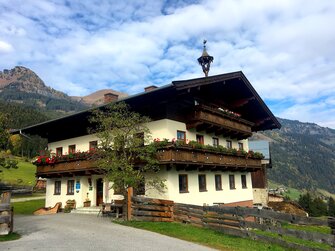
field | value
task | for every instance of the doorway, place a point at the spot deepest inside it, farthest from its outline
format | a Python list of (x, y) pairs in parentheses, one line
[(100, 191)]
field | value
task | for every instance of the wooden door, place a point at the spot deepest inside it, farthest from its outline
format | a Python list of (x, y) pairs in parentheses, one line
[(100, 191)]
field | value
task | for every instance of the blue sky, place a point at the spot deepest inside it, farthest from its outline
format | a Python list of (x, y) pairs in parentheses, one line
[(285, 48)]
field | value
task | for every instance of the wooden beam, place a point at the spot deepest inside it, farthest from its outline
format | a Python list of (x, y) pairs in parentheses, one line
[(242, 102)]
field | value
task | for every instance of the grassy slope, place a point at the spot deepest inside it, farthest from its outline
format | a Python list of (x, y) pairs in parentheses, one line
[(295, 193), (204, 236), (23, 175), (292, 192)]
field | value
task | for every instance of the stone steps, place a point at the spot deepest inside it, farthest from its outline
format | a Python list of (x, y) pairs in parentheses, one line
[(86, 210)]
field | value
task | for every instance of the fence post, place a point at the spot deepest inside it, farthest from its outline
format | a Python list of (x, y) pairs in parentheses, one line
[(11, 219), (331, 224), (130, 192)]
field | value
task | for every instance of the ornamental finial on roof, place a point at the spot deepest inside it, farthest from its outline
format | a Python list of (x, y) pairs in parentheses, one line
[(205, 60)]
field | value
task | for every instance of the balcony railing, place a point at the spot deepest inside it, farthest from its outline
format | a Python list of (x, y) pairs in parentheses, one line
[(70, 168), (177, 153), (220, 122), (188, 156)]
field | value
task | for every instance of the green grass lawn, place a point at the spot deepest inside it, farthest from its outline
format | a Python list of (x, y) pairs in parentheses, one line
[(23, 175), (9, 237), (319, 229), (203, 236), (296, 240), (27, 207)]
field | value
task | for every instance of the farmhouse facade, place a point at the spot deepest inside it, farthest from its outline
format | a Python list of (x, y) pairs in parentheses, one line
[(218, 112)]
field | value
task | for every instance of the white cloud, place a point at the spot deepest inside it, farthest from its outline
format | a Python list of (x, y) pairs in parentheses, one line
[(5, 47), (285, 48)]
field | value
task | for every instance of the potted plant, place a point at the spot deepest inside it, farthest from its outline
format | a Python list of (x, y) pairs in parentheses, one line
[(87, 202)]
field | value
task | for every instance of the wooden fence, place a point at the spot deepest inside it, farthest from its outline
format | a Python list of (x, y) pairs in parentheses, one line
[(6, 214), (258, 224), (146, 209), (241, 221)]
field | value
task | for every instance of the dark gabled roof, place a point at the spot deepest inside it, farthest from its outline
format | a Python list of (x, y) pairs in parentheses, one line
[(234, 87), (231, 90)]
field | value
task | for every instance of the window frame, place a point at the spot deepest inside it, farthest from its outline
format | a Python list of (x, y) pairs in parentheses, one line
[(217, 141), (218, 183), (183, 178), (92, 145), (70, 188), (202, 183), (183, 133), (72, 149), (240, 146), (200, 139), (232, 184), (58, 187), (244, 181), (59, 149), (229, 144)]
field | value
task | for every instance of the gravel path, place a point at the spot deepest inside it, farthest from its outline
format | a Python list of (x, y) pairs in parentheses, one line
[(87, 232)]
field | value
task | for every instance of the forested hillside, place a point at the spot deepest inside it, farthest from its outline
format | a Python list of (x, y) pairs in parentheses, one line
[(303, 155), (20, 115)]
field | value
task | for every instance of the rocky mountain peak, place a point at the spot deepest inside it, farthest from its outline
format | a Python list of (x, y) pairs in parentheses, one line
[(25, 80)]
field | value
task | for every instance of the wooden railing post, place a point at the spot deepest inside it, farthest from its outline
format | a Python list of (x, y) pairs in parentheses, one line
[(11, 219), (130, 192), (331, 224)]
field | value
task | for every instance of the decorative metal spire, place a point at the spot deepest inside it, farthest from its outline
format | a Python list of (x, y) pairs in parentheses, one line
[(205, 60)]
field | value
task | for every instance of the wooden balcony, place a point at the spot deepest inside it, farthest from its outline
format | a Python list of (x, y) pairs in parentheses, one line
[(184, 157), (68, 168), (188, 158), (213, 120)]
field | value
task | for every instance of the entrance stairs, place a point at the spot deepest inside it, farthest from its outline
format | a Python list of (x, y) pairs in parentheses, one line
[(86, 210)]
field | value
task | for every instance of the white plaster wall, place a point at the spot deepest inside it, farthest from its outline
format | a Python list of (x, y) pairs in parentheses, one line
[(161, 129), (167, 129), (82, 143), (226, 195), (81, 195), (52, 199)]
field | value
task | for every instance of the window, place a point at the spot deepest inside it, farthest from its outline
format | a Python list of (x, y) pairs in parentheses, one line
[(59, 151), (70, 187), (215, 142), (200, 139), (244, 181), (140, 190), (240, 146), (57, 187), (183, 183), (229, 144), (218, 182), (72, 148), (181, 135), (202, 183), (139, 139), (93, 145), (232, 181)]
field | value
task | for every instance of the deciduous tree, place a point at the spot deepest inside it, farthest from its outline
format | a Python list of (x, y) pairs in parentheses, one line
[(125, 152)]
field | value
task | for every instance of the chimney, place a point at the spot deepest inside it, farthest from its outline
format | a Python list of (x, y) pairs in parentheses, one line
[(150, 88), (110, 97)]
